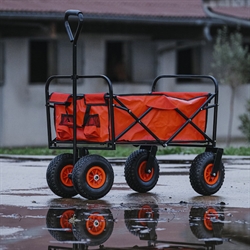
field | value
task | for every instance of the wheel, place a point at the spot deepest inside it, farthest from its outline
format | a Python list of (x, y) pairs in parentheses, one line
[(59, 225), (93, 177), (206, 223), (58, 178), (93, 226), (200, 174), (135, 174)]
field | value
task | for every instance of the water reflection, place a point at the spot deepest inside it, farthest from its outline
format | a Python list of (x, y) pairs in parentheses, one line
[(93, 226), (206, 223)]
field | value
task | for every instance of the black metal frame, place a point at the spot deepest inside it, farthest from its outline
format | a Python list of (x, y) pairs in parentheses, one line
[(81, 147), (170, 142), (210, 141)]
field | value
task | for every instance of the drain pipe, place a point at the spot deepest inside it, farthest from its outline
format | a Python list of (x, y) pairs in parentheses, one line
[(230, 19)]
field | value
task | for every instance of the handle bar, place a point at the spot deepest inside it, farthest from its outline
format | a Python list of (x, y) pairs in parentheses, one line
[(187, 77), (79, 14)]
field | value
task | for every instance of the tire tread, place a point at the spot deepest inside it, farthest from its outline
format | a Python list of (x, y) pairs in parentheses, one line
[(131, 174), (53, 179), (196, 174), (79, 170)]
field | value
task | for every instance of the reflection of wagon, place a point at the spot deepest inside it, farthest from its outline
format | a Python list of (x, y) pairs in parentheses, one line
[(147, 120), (91, 227)]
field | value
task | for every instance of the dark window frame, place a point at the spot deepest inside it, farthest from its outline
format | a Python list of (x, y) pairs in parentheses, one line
[(117, 68), (188, 62), (42, 60)]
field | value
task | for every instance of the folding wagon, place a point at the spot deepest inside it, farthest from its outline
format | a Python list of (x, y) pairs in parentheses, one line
[(82, 122)]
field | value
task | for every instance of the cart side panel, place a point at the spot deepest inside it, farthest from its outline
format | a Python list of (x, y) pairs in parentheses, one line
[(92, 117), (142, 117), (162, 118)]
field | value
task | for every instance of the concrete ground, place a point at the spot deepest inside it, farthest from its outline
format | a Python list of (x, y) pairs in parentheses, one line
[(27, 205)]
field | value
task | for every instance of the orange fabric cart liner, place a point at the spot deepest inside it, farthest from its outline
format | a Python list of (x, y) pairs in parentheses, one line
[(132, 113)]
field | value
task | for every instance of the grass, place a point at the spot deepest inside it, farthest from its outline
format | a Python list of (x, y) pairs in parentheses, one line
[(121, 151)]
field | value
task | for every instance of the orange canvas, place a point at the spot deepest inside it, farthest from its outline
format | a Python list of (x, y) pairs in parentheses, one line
[(137, 118)]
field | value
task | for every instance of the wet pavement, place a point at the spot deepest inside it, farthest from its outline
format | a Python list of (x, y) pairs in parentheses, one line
[(171, 216)]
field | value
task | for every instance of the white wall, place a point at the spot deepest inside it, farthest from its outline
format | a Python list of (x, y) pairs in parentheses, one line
[(23, 108), (24, 120), (242, 94), (166, 64)]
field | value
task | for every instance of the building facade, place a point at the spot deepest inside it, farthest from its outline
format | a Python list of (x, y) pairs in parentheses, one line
[(130, 45)]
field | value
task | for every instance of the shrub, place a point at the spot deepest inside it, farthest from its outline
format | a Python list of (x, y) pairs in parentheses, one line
[(231, 65)]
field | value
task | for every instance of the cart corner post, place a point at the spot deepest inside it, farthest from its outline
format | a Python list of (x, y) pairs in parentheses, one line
[(218, 152), (152, 150)]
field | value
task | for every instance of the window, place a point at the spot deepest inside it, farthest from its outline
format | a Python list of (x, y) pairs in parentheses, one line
[(188, 62), (117, 61), (42, 61), (130, 61)]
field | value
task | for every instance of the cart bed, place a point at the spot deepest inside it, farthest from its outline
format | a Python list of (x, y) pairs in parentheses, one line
[(154, 117)]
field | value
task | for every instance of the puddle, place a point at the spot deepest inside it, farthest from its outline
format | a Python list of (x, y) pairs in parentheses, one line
[(171, 216), (99, 225)]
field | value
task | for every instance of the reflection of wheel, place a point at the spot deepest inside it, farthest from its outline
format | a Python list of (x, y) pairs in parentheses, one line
[(58, 224), (58, 178), (135, 172), (142, 221), (200, 174), (93, 176), (206, 222), (93, 226)]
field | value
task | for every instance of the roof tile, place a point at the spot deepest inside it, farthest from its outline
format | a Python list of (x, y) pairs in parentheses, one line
[(179, 8), (153, 8)]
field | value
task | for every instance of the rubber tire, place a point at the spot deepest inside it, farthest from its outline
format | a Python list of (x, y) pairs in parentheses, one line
[(132, 177), (53, 224), (79, 176), (196, 174), (81, 232), (198, 227), (53, 176)]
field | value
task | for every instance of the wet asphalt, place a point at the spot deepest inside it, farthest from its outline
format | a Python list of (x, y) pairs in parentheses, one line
[(170, 216)]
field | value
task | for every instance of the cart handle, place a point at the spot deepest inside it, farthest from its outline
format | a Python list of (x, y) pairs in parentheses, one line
[(79, 14), (216, 89)]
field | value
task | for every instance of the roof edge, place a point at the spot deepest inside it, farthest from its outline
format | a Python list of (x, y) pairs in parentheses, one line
[(59, 16)]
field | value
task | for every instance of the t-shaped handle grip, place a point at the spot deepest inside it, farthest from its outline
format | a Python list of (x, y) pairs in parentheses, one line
[(79, 14)]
